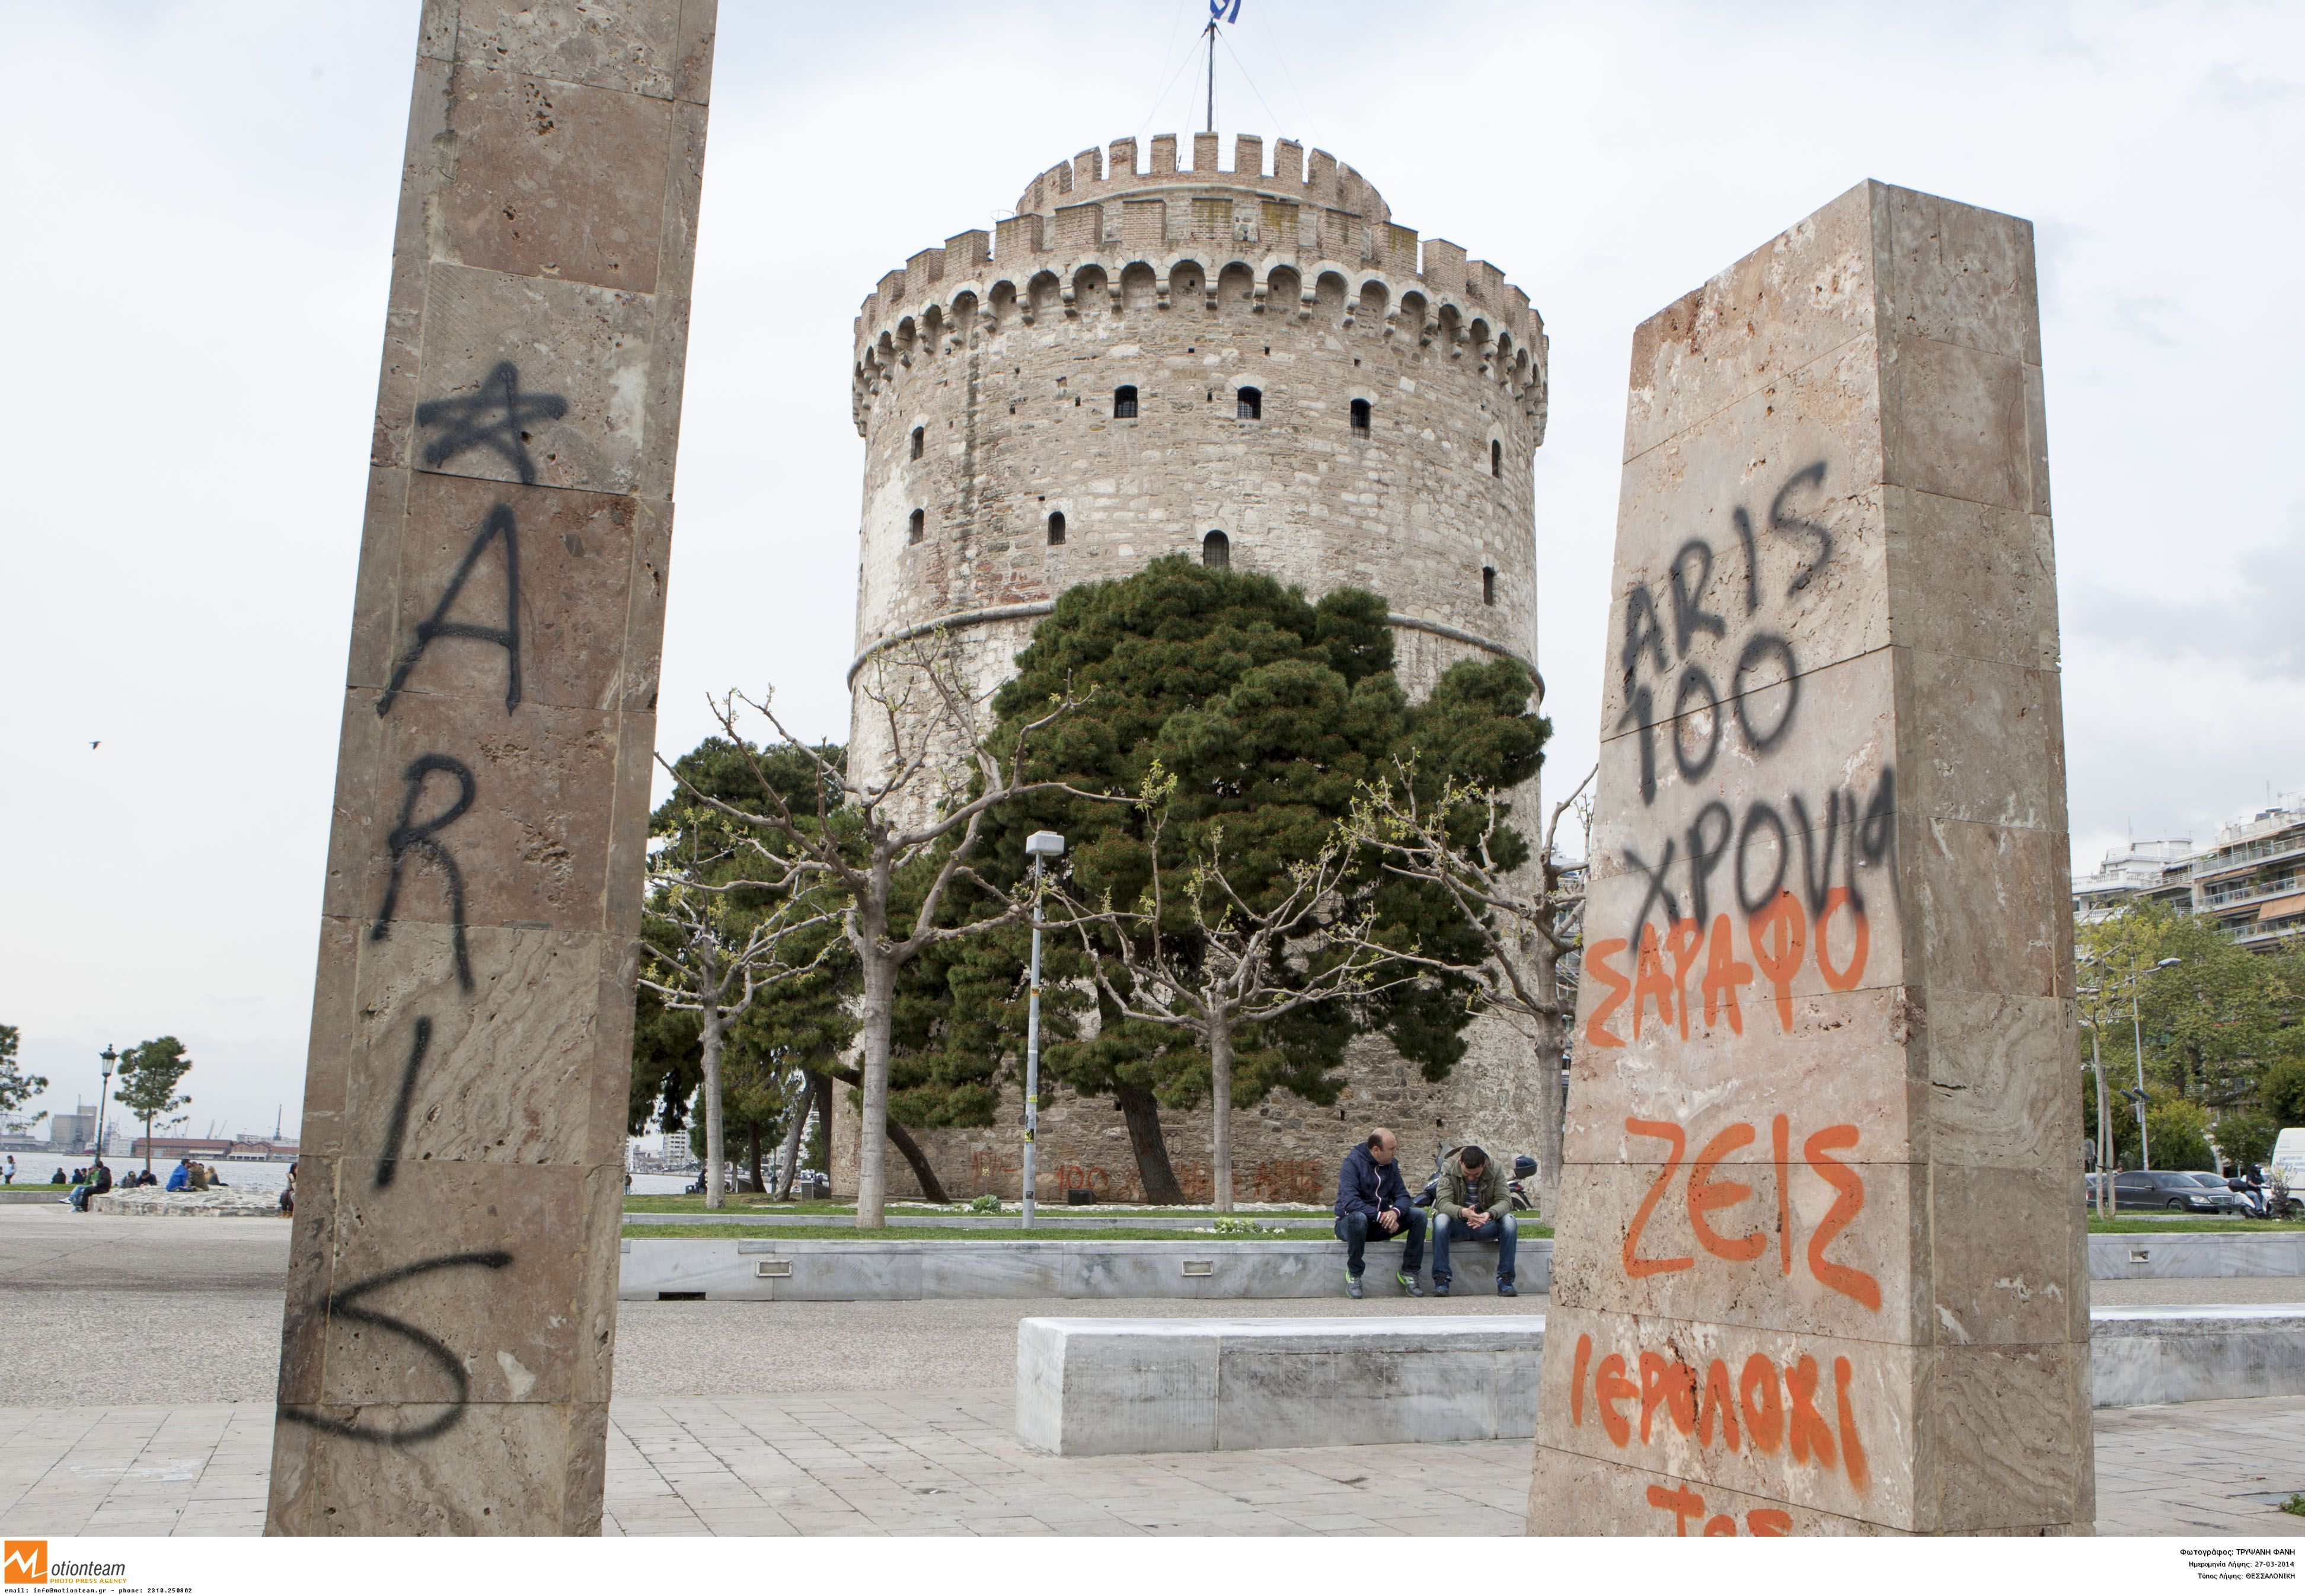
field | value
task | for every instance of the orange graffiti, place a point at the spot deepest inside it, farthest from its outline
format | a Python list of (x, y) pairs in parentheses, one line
[(1682, 945), (1765, 1420), (1596, 960), (1720, 1400), (1846, 978), (1672, 1383), (1664, 1130), (1720, 1523), (1705, 1195), (1724, 972), (1576, 1381), (1852, 1451), (1683, 1505), (1784, 919), (1650, 982), (1807, 1431), (1846, 1206), (1610, 1387)]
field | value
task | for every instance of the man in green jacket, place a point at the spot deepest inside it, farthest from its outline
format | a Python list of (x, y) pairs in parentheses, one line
[(1472, 1203)]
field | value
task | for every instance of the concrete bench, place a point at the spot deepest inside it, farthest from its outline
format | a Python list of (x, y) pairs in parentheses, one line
[(860, 1271), (1092, 1387), (2198, 1254)]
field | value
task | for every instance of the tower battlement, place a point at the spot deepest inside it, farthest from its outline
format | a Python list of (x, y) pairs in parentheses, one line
[(1308, 230)]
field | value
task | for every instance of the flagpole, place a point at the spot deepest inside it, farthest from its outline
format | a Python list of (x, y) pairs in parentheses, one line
[(1213, 74)]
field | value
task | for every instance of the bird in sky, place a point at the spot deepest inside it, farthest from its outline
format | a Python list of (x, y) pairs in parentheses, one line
[(98, 743)]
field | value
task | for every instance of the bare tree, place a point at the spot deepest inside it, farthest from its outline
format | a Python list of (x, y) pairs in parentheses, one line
[(895, 853), (1529, 920), (1198, 954), (713, 948)]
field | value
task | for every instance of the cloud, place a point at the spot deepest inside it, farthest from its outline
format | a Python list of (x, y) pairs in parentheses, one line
[(2251, 623)]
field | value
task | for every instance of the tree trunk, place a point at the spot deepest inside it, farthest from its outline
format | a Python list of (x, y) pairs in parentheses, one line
[(932, 1188), (789, 1164), (713, 1145), (902, 1141), (1142, 1111), (819, 1147), (752, 1150), (872, 1133), (1553, 1092), (1220, 1113)]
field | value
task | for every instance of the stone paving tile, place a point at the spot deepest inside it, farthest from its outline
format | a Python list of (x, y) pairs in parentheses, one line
[(949, 1464)]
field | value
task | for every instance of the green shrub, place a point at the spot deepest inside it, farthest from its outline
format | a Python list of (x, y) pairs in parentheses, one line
[(986, 1204)]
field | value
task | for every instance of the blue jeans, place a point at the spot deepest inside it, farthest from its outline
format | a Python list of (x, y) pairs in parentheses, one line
[(1358, 1230), (1503, 1229)]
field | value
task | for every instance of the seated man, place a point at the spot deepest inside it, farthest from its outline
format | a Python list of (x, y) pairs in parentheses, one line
[(180, 1179), (1371, 1200), (1472, 1203)]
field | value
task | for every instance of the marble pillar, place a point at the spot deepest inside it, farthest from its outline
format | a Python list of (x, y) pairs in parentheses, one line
[(451, 1312), (1821, 1262)]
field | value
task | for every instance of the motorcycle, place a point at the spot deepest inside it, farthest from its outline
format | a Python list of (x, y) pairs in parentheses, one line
[(1524, 1176)]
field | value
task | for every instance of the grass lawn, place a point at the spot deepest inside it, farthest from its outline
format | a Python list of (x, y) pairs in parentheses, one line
[(640, 1230), (2189, 1223)]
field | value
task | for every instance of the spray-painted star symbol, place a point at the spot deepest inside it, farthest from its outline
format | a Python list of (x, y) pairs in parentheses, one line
[(494, 417)]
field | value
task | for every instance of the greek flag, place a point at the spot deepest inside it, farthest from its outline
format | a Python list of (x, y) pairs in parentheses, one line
[(1224, 10)]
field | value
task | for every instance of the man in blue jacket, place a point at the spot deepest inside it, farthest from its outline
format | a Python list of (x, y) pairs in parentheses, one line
[(1372, 1202)]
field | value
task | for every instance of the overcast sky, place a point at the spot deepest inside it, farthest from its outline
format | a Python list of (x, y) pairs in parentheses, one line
[(202, 197)]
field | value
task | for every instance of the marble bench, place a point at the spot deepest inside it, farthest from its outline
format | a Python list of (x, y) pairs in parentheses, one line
[(1092, 1386)]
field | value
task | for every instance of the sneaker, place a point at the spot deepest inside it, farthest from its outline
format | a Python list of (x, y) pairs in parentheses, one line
[(1506, 1288), (1408, 1283), (1352, 1287), (1439, 1288)]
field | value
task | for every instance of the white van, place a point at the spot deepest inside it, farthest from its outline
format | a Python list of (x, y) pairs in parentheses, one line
[(2287, 1164)]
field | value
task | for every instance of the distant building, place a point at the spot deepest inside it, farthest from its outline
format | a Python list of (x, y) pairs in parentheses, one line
[(240, 1149), (2251, 880), (676, 1155), (72, 1133)]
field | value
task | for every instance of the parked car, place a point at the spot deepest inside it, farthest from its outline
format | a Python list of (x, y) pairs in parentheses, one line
[(2178, 1190)]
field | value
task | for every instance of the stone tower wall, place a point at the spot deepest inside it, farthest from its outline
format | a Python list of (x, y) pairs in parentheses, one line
[(985, 379)]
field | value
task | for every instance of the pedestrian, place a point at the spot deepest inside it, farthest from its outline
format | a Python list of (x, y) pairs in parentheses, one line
[(1472, 1203), (1372, 1204), (288, 1192), (8, 1177)]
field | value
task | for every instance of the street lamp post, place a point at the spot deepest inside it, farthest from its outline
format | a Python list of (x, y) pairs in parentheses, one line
[(1041, 846), (2137, 1032), (111, 1057)]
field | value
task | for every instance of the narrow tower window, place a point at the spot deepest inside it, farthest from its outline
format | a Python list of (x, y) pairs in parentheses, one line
[(1488, 584), (1124, 402), (1216, 550), (1496, 458), (918, 440), (1056, 528), (920, 527), (1360, 417), (1251, 405)]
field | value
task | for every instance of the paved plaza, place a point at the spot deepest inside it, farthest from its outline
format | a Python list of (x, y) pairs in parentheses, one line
[(137, 1358)]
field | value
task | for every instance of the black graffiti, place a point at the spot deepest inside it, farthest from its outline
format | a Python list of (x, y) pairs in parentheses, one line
[(495, 417), (1752, 559), (1693, 682), (341, 1306), (1758, 648), (410, 836), (1833, 853), (1811, 476), (388, 1163), (500, 525), (1689, 615)]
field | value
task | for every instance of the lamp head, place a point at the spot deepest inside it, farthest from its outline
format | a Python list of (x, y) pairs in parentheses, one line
[(1045, 844)]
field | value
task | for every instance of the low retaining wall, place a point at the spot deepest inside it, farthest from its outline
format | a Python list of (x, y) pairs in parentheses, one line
[(1093, 1387), (840, 1269), (227, 1205), (1096, 1386), (2198, 1254), (868, 1271)]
